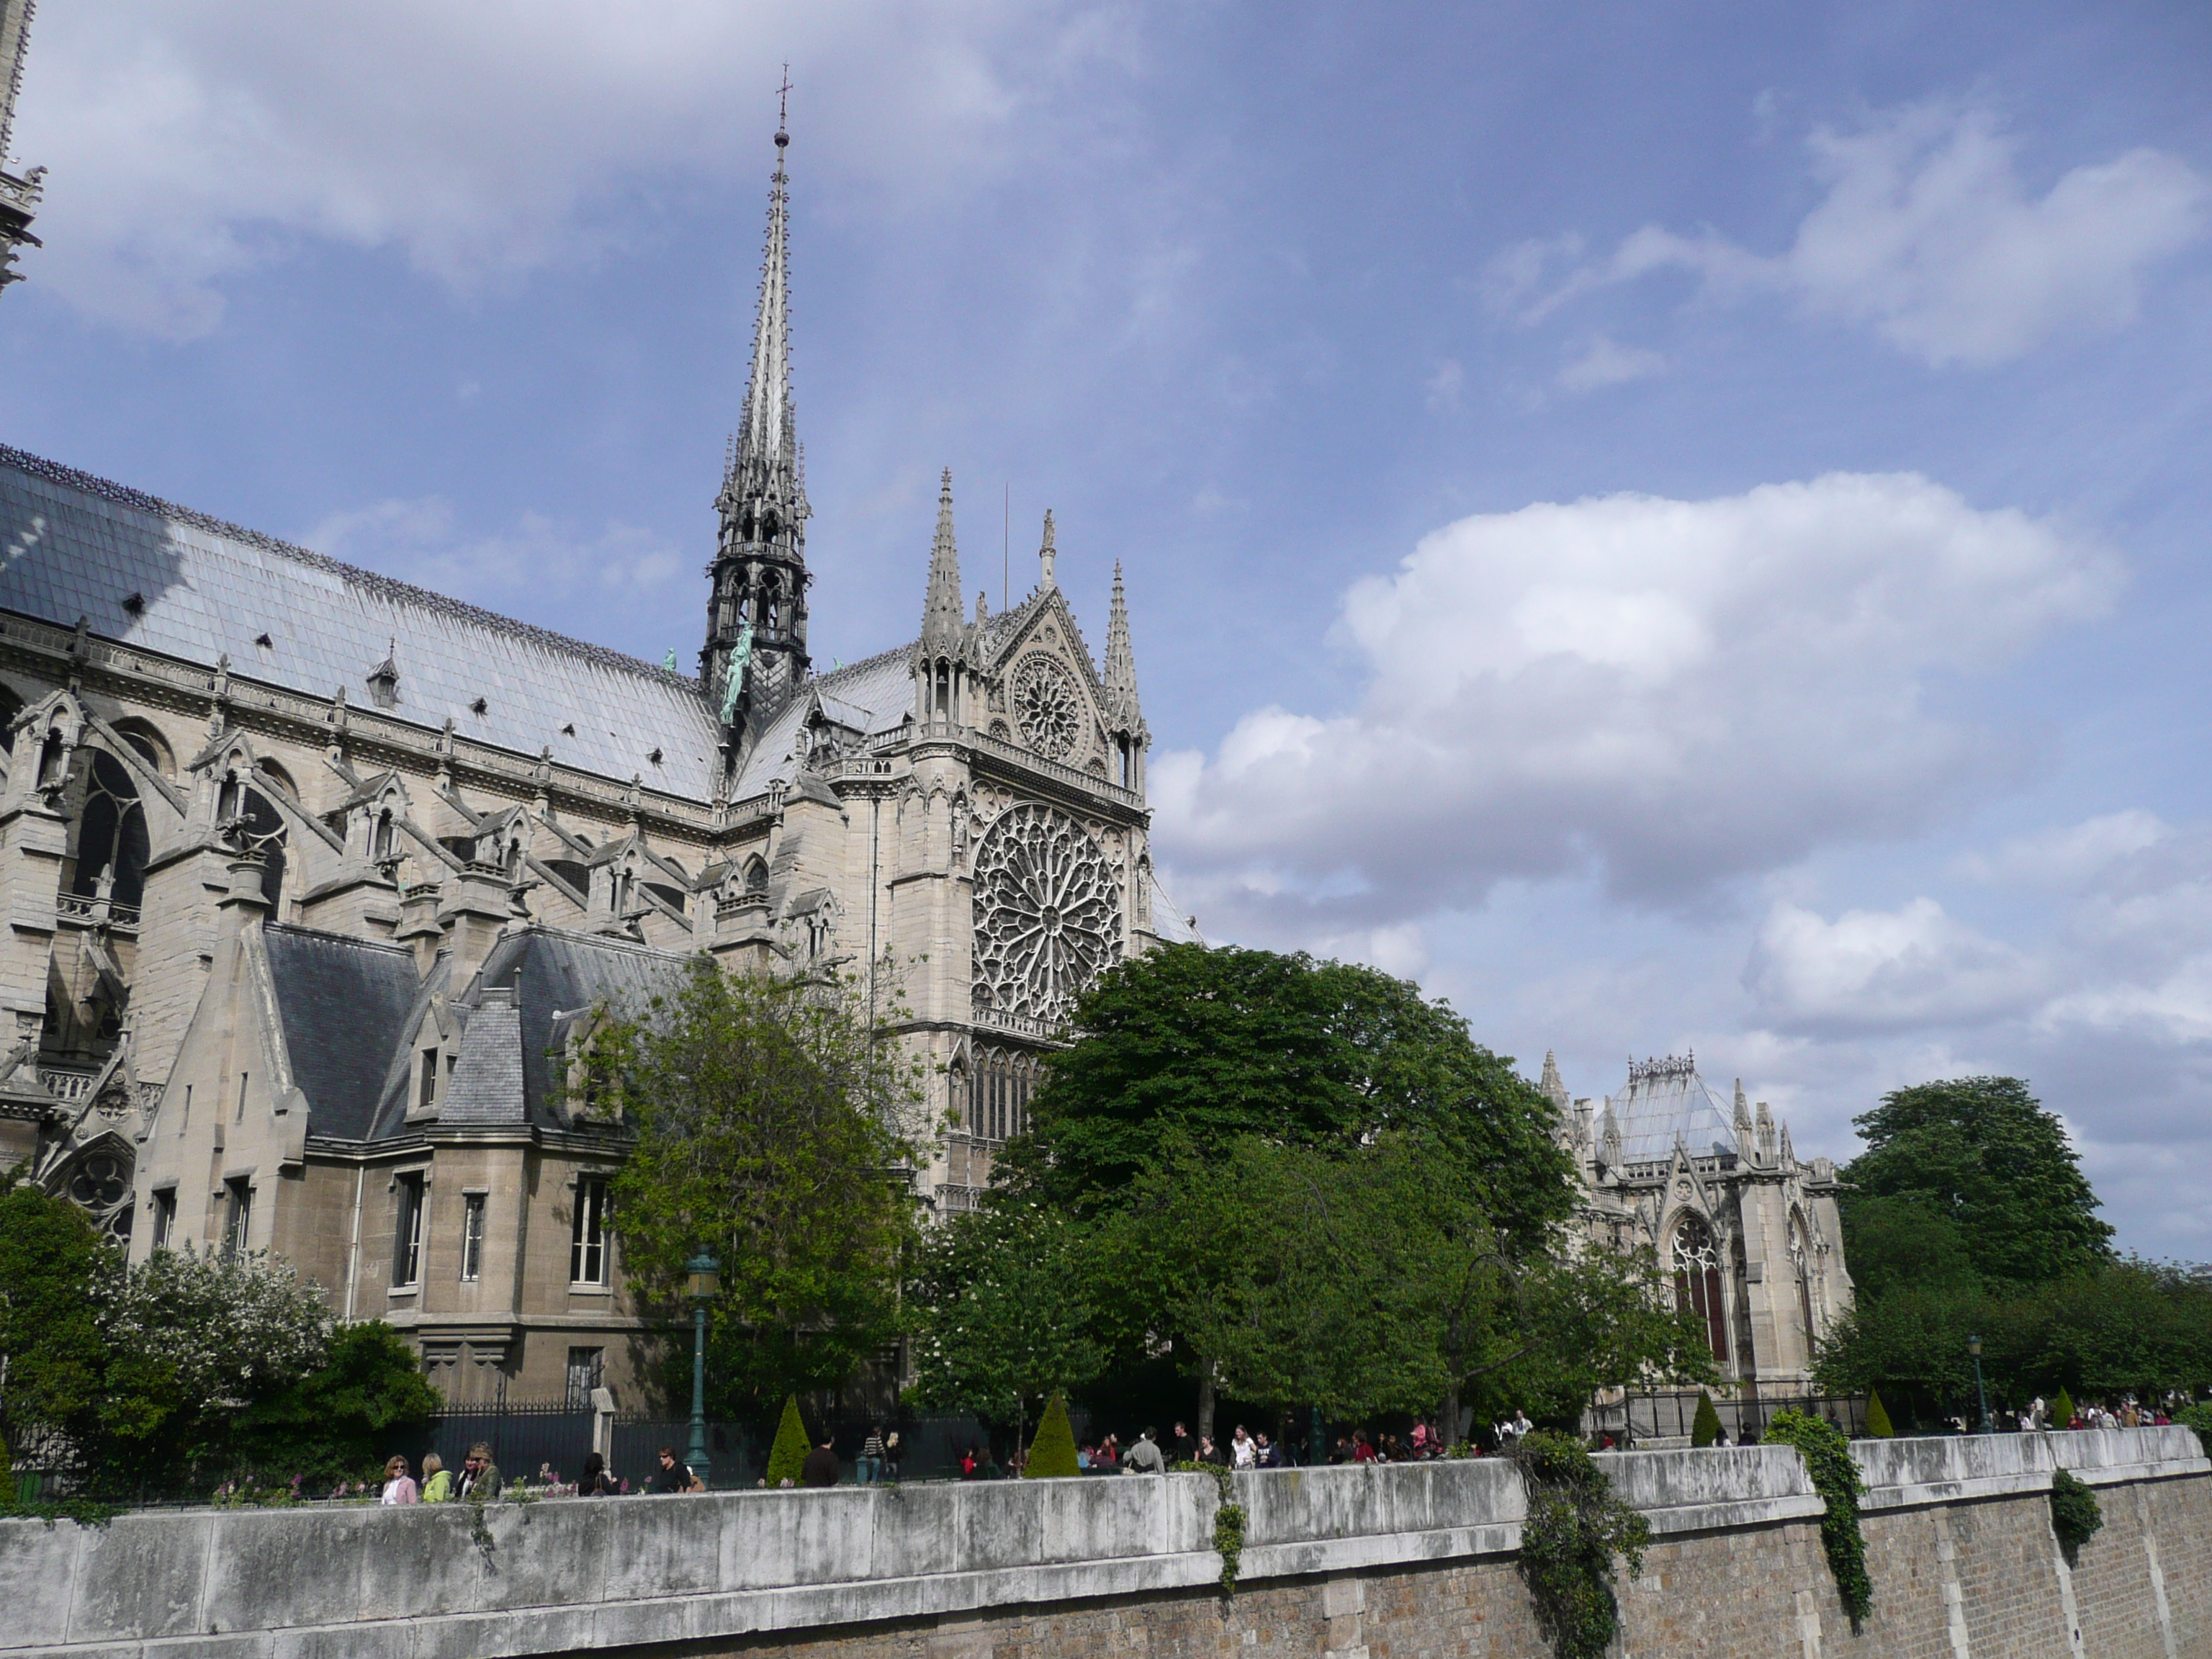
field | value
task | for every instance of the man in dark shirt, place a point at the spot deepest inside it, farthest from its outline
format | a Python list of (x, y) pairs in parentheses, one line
[(820, 1469), (1182, 1449), (673, 1476)]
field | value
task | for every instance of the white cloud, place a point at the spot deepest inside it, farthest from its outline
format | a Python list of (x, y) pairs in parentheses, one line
[(2067, 856), (187, 143), (1608, 363), (1671, 692), (1929, 234), (1885, 968), (533, 560)]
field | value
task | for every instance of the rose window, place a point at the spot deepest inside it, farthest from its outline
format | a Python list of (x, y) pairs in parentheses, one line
[(1047, 913), (1046, 707)]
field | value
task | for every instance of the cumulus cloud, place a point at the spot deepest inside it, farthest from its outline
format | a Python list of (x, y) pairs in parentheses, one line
[(1871, 970), (1670, 693), (1929, 234), (421, 541), (191, 142)]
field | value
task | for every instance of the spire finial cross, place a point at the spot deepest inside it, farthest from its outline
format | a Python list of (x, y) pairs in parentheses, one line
[(783, 100)]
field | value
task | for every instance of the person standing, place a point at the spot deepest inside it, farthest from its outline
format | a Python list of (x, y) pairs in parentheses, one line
[(872, 1456), (820, 1469), (597, 1482), (894, 1450), (399, 1487), (480, 1476), (437, 1480), (1144, 1457), (1242, 1451), (1181, 1449), (674, 1477)]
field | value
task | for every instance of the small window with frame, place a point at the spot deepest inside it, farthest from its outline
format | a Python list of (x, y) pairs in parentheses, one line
[(407, 1232), (473, 1236), (587, 1235)]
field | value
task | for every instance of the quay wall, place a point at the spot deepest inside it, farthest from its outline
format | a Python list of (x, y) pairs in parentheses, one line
[(1405, 1562)]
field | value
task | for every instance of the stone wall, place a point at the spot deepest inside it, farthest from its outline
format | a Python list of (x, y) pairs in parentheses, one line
[(1401, 1562)]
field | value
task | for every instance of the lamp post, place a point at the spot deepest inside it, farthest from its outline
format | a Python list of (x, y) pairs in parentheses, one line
[(706, 1279), (1974, 1347)]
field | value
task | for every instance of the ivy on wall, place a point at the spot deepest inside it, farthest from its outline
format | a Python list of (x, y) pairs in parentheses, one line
[(1576, 1528), (2075, 1514), (1827, 1457)]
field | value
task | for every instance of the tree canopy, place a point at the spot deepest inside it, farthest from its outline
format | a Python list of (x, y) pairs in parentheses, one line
[(1982, 1153), (1219, 1043), (773, 1121)]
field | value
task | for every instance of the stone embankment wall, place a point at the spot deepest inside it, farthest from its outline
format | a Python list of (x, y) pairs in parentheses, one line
[(1413, 1562)]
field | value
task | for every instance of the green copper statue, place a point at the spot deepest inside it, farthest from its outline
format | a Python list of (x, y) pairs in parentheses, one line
[(740, 656)]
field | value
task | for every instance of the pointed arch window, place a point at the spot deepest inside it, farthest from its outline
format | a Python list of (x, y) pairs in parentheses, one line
[(111, 844), (381, 840), (1697, 1267)]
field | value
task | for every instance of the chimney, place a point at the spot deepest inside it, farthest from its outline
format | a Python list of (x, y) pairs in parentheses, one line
[(474, 911)]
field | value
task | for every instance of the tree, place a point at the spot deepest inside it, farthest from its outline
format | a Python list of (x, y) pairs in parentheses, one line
[(787, 1458), (1877, 1417), (1002, 1323), (1222, 1044), (335, 1422), (192, 1339), (1903, 1242), (55, 1271), (773, 1121), (1706, 1428), (1982, 1152), (1052, 1455)]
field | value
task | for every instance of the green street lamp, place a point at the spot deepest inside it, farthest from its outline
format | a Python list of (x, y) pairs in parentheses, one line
[(706, 1279), (1974, 1347)]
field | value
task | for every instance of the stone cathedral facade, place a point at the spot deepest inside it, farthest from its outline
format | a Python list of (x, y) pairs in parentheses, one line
[(315, 882), (1748, 1235)]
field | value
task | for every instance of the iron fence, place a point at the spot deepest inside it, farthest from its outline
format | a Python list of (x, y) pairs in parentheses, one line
[(1673, 1415)]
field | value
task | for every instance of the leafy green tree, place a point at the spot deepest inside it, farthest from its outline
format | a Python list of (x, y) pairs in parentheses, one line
[(1218, 1045), (55, 1272), (1982, 1152), (772, 1119), (339, 1421), (1705, 1428), (787, 1458), (192, 1338), (1052, 1455), (1001, 1321), (2062, 1409), (1903, 1242)]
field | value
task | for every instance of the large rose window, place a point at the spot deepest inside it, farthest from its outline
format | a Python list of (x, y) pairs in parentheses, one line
[(1047, 913), (1046, 707)]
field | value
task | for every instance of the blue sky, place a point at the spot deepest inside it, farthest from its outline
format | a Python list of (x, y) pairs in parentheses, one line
[(1675, 525)]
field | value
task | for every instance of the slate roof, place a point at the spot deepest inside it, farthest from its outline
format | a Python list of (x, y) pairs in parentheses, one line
[(75, 545), (551, 974), (486, 1085), (871, 695), (343, 1005), (1664, 1100)]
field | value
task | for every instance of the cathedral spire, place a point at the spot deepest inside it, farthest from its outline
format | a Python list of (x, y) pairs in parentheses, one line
[(1046, 555), (944, 624), (756, 652), (1120, 663)]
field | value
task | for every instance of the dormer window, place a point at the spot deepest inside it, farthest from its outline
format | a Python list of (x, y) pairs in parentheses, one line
[(426, 1088), (384, 679)]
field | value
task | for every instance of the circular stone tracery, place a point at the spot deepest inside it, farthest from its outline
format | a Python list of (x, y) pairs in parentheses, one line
[(1047, 707), (1047, 913)]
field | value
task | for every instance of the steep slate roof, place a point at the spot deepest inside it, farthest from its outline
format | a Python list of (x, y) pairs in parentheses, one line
[(1664, 1100), (486, 1085), (871, 695), (552, 974), (343, 1003), (74, 545)]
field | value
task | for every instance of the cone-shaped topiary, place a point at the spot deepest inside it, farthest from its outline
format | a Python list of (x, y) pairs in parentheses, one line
[(2061, 1410), (1877, 1425), (1707, 1427), (1053, 1452), (787, 1457)]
